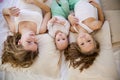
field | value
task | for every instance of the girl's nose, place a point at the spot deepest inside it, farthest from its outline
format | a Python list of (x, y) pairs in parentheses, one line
[(34, 38)]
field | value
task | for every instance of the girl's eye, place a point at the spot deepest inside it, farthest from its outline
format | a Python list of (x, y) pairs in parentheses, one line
[(58, 40), (89, 41), (28, 41), (35, 42), (82, 44), (63, 38)]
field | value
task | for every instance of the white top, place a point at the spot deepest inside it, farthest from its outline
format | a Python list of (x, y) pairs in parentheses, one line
[(29, 12), (52, 28), (84, 10)]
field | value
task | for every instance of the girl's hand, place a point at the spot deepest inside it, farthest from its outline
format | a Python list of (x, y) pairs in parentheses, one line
[(95, 4), (62, 22), (53, 20), (30, 1), (13, 11), (73, 20)]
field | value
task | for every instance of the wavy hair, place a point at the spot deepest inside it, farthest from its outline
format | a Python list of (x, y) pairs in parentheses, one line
[(78, 59), (15, 54)]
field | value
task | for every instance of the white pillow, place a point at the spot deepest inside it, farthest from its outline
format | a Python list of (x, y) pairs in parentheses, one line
[(103, 67), (47, 61), (45, 67)]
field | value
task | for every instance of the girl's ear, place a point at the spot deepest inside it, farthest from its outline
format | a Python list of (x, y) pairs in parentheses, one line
[(19, 42)]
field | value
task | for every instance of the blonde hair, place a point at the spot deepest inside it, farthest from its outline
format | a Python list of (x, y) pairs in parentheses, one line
[(78, 59), (15, 54)]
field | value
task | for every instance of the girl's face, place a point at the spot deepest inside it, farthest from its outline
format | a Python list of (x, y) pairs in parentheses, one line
[(61, 41), (85, 42), (29, 41)]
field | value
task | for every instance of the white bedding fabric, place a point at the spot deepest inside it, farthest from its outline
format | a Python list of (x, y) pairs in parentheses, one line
[(46, 65), (104, 67), (44, 68), (3, 29)]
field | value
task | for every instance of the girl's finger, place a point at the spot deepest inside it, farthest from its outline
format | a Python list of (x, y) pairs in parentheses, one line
[(15, 11), (16, 14), (12, 8), (76, 20)]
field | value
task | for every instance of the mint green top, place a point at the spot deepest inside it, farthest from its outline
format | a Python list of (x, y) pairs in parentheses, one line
[(72, 3), (60, 9)]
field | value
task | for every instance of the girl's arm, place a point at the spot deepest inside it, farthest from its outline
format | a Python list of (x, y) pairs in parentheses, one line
[(40, 4), (72, 29), (100, 12), (46, 18), (98, 24), (72, 19), (7, 13)]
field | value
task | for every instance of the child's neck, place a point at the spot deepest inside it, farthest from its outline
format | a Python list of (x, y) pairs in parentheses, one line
[(80, 29), (23, 31)]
